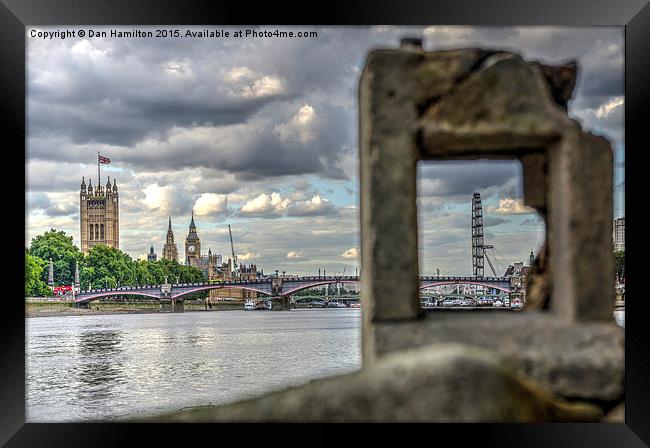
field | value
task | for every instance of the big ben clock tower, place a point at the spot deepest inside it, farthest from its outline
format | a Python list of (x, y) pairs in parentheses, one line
[(192, 245)]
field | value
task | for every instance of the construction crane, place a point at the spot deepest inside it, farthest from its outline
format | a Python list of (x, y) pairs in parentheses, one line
[(232, 248)]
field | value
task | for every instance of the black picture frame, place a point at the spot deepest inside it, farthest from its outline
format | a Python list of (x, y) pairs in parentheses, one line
[(634, 15)]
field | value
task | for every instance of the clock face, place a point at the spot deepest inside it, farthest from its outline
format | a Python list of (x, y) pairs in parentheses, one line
[(191, 248)]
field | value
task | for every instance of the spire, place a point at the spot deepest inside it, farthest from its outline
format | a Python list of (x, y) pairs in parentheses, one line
[(108, 184), (114, 186), (192, 223), (83, 183), (169, 229)]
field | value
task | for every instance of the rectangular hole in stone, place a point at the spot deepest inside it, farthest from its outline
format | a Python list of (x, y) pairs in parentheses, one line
[(511, 230)]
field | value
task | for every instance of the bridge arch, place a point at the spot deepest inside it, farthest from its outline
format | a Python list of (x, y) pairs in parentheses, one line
[(103, 294), (318, 283), (217, 286), (443, 283)]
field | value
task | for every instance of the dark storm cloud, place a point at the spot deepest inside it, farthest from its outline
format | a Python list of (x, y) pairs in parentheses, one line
[(124, 121), (461, 179), (124, 93)]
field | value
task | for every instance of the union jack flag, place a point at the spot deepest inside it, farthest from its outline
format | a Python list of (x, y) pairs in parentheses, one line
[(103, 159)]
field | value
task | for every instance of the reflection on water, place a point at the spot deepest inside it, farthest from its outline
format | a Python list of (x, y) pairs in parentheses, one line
[(100, 367), (119, 366)]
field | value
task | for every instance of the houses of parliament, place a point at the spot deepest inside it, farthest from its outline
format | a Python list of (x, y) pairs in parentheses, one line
[(99, 215), (212, 265), (100, 224)]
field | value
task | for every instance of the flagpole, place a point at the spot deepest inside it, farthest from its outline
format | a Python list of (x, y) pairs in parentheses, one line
[(99, 175)]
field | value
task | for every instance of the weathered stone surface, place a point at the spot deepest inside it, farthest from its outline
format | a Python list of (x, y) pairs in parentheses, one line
[(562, 80), (503, 106), (534, 180), (579, 225), (484, 104), (450, 383), (574, 360)]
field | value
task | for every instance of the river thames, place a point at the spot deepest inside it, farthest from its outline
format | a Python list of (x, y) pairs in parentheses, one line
[(111, 367), (114, 367)]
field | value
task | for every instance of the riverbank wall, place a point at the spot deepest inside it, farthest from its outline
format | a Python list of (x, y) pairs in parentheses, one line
[(45, 308)]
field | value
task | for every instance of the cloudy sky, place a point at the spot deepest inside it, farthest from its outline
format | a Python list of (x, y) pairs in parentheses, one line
[(261, 133)]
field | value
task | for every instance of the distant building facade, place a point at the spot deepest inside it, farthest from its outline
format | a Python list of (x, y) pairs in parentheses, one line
[(619, 234), (99, 215), (518, 274), (215, 270), (170, 251), (152, 256)]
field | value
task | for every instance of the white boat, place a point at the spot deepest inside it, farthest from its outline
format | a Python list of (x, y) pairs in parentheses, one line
[(249, 305)]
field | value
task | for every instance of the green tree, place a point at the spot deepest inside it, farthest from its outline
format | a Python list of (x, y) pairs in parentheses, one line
[(144, 274), (619, 256), (107, 267), (58, 246), (34, 284)]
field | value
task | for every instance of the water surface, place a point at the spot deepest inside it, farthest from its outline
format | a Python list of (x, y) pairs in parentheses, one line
[(107, 367)]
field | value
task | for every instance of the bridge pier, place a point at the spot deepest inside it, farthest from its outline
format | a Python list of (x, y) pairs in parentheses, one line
[(281, 303), (83, 305), (172, 306)]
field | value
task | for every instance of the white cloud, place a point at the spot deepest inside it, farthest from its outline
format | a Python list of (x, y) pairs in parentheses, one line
[(293, 254), (299, 128), (314, 206), (275, 205), (170, 199), (246, 83), (510, 206), (247, 256), (265, 204), (85, 49), (352, 252), (211, 204), (606, 109), (155, 196), (179, 69)]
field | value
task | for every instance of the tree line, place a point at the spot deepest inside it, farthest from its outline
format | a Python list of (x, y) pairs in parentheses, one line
[(102, 267)]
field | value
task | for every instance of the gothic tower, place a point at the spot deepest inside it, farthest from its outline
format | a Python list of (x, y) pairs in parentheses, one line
[(99, 214), (192, 245), (170, 251), (152, 256)]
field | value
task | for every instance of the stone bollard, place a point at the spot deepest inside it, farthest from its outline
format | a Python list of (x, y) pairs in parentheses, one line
[(416, 105)]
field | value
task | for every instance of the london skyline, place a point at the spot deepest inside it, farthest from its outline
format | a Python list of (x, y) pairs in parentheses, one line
[(262, 135)]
